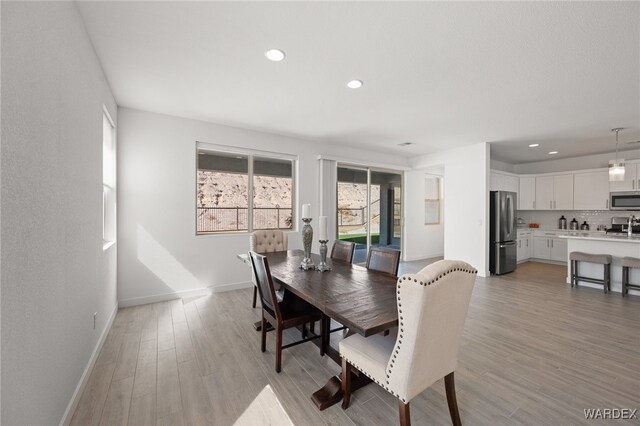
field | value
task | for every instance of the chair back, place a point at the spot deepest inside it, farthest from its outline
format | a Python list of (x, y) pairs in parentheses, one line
[(264, 282), (432, 307), (383, 260), (343, 250), (268, 241)]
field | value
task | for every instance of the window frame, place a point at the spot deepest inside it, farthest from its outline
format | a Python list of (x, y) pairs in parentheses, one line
[(109, 189), (250, 154)]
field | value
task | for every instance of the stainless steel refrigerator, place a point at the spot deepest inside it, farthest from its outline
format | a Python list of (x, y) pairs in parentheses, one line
[(502, 232)]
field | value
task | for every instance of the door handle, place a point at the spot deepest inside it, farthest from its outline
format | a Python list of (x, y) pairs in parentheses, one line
[(607, 204), (551, 243), (527, 243), (547, 243)]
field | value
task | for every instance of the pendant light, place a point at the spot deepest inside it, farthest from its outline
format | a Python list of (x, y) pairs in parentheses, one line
[(616, 167)]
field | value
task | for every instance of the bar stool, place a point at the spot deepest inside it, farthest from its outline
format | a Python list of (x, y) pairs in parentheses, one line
[(629, 262), (601, 259)]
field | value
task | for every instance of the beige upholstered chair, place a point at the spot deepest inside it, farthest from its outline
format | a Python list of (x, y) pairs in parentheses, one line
[(432, 307), (266, 241)]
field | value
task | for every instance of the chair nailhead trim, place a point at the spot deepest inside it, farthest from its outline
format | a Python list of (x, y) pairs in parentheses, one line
[(401, 325)]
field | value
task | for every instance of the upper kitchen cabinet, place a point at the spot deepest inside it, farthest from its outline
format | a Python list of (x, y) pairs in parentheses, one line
[(527, 193), (591, 190), (554, 192), (631, 180), (503, 182), (563, 192), (544, 193)]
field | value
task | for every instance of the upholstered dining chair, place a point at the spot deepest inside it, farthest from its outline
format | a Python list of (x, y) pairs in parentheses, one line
[(343, 250), (266, 241), (383, 260), (290, 312), (432, 307)]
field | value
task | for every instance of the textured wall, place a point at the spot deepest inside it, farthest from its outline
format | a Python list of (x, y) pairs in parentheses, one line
[(159, 254), (466, 184), (54, 272)]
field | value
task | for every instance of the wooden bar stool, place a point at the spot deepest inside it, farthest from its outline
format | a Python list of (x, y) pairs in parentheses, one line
[(601, 259), (629, 262)]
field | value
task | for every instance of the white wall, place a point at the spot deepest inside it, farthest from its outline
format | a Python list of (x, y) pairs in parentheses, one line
[(54, 271), (422, 241), (502, 166), (159, 255), (466, 210)]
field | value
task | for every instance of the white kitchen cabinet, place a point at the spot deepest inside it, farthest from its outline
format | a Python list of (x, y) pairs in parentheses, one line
[(554, 192), (549, 246), (524, 245), (558, 249), (527, 193), (503, 182), (563, 192), (544, 193), (591, 190), (541, 248), (631, 180)]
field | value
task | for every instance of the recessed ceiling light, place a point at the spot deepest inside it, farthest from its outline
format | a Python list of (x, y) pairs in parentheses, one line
[(553, 152), (354, 84), (533, 145), (405, 144), (275, 55)]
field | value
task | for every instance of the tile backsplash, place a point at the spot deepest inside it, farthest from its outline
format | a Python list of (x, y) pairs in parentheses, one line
[(550, 218)]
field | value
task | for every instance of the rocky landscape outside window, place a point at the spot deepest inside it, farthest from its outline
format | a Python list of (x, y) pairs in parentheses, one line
[(227, 181)]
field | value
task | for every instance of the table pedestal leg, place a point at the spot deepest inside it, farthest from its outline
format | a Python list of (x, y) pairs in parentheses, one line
[(331, 393)]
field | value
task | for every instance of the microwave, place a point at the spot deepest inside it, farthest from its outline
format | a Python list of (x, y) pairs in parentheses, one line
[(626, 200)]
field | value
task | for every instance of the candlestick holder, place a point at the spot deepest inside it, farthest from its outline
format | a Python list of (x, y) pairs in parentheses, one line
[(307, 238), (322, 266)]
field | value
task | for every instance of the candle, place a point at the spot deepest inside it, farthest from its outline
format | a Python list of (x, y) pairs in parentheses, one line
[(322, 223), (305, 211)]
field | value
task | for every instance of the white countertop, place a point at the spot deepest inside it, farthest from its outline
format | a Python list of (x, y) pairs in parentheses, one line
[(601, 237)]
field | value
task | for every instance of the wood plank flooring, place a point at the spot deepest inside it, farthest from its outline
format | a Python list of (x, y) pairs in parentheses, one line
[(534, 351)]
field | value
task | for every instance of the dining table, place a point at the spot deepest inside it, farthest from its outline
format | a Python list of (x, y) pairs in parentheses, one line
[(362, 300)]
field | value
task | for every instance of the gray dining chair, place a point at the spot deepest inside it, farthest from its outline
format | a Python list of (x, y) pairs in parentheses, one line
[(343, 250), (383, 260)]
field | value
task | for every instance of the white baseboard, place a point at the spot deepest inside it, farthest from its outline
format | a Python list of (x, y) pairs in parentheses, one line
[(550, 262), (75, 399), (231, 287), (203, 291), (422, 257), (183, 294)]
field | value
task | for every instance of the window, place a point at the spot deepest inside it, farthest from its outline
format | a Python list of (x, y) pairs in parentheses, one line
[(108, 181), (226, 181)]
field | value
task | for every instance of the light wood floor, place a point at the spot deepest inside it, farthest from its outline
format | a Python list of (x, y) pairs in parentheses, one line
[(534, 351)]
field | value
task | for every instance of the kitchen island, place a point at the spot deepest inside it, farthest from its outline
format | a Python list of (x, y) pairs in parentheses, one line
[(617, 246)]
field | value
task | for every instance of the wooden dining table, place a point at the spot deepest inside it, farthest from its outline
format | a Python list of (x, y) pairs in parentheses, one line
[(362, 300)]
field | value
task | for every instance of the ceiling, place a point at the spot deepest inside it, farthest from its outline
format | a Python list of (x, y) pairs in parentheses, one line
[(440, 75)]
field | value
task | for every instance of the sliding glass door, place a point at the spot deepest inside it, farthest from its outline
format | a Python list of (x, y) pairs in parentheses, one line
[(369, 208)]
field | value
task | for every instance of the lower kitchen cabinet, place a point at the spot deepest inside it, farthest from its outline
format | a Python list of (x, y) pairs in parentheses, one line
[(550, 248), (524, 245), (559, 249), (541, 248)]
